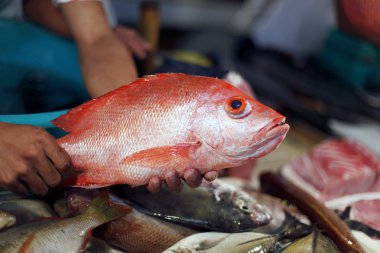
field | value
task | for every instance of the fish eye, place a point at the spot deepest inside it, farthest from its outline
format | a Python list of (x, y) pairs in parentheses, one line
[(243, 205), (237, 107)]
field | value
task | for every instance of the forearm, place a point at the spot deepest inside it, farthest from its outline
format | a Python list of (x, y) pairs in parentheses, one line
[(106, 69), (106, 63)]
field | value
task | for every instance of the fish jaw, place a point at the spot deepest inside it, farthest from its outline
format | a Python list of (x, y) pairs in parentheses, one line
[(263, 142), (270, 137)]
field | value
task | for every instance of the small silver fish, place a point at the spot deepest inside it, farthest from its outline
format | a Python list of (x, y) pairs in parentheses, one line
[(215, 242)]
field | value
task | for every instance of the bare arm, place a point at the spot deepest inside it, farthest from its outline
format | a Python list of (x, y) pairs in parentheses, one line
[(45, 14), (106, 63), (105, 59)]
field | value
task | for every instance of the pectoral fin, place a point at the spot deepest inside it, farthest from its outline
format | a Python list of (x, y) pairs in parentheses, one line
[(168, 157)]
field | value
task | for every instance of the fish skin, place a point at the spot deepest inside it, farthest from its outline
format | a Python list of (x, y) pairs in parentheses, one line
[(163, 123), (27, 210), (63, 235)]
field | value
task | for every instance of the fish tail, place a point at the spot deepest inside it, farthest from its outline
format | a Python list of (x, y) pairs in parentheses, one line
[(104, 210)]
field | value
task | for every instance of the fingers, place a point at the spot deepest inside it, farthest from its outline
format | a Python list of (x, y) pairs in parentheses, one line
[(30, 158), (137, 48), (210, 176), (56, 154), (154, 184), (133, 41), (18, 187), (48, 173), (35, 183), (173, 181), (192, 177)]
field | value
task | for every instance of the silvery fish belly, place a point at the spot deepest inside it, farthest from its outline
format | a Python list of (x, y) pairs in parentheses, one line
[(164, 123), (214, 206)]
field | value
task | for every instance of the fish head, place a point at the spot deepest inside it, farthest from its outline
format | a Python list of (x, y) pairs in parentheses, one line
[(237, 126), (246, 211)]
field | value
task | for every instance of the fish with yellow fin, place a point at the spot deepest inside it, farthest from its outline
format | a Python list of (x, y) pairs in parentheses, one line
[(61, 235)]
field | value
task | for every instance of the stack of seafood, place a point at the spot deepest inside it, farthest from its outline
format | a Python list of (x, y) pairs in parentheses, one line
[(135, 136)]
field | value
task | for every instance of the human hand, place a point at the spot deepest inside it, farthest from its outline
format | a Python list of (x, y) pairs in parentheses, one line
[(30, 158), (133, 41), (191, 176)]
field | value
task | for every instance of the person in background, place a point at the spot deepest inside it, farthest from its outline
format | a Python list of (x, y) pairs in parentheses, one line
[(30, 158)]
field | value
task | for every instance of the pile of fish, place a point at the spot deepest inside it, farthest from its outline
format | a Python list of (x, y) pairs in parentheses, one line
[(141, 133), (169, 123), (122, 224)]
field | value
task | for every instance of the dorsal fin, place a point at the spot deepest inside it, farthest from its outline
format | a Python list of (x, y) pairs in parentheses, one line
[(72, 119)]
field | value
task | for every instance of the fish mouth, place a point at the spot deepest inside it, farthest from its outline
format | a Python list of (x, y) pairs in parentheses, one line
[(271, 136)]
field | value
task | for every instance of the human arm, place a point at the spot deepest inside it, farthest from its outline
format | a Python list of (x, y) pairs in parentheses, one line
[(30, 158), (45, 14), (104, 52), (106, 63)]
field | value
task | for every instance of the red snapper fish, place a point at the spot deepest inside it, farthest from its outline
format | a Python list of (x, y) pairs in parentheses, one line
[(166, 122)]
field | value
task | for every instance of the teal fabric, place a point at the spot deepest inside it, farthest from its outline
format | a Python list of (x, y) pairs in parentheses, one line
[(37, 70)]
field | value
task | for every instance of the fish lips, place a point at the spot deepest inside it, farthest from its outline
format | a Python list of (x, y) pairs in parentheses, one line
[(264, 141), (270, 137)]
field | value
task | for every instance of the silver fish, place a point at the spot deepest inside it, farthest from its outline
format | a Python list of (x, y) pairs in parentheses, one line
[(27, 210), (215, 242), (215, 206)]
